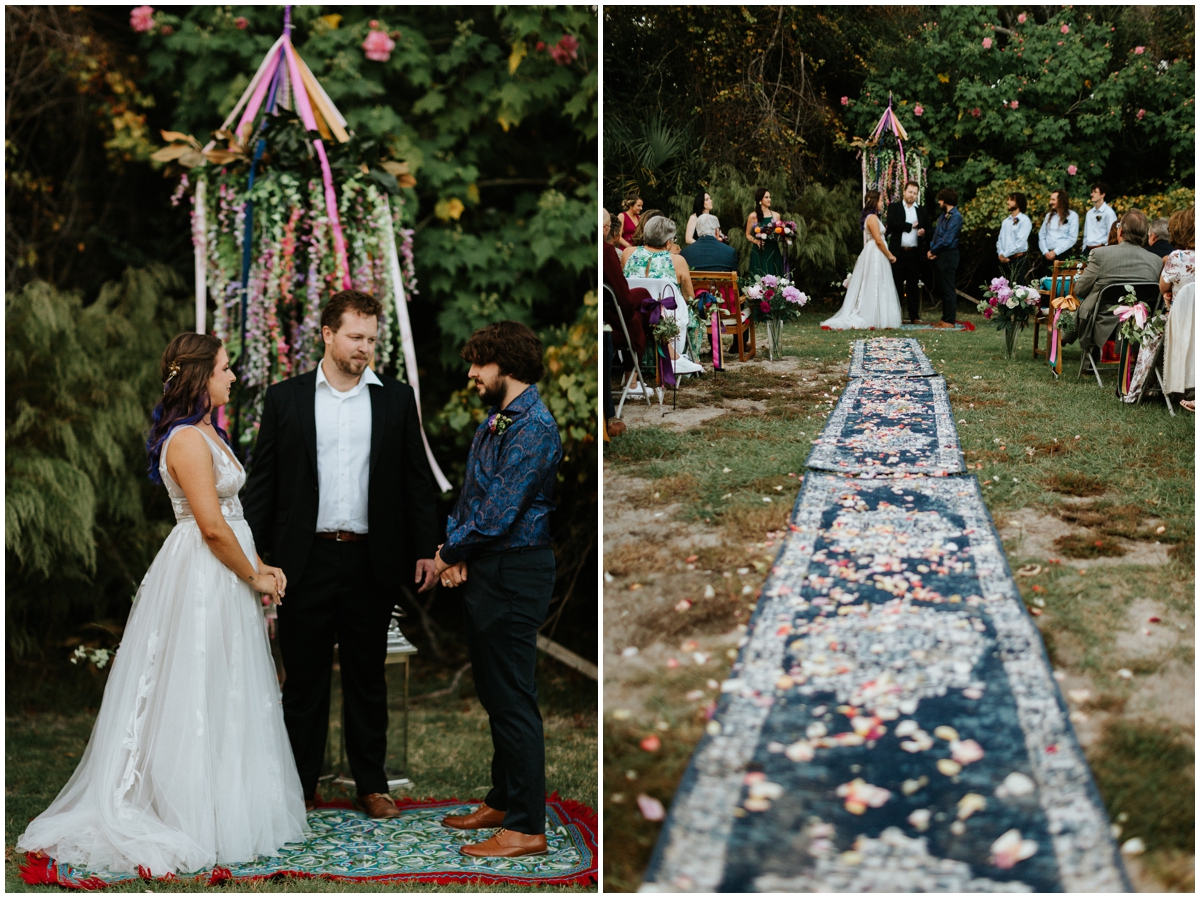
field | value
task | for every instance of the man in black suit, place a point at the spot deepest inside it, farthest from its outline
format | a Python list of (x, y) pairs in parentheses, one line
[(342, 498), (907, 223), (708, 253)]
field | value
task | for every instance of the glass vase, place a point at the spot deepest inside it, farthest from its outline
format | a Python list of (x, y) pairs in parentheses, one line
[(1010, 341), (774, 339)]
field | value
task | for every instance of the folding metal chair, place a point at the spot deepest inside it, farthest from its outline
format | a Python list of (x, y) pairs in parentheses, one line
[(628, 360), (1110, 296)]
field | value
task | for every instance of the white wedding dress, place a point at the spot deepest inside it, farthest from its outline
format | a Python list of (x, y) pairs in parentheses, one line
[(871, 299), (189, 763)]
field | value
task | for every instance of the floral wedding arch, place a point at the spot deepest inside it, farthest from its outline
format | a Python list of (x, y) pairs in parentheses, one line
[(885, 166)]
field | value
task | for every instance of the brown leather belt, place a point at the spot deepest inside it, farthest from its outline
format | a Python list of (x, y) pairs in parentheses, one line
[(344, 536)]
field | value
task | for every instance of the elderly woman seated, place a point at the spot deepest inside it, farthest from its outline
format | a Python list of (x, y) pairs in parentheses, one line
[(654, 259)]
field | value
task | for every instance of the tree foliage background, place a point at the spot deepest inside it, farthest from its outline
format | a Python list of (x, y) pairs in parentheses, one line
[(493, 108), (727, 99)]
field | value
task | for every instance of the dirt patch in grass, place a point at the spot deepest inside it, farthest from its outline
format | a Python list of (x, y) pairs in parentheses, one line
[(1071, 484), (1080, 546), (663, 490)]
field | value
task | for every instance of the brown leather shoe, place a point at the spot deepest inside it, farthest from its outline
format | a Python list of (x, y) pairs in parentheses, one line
[(942, 324), (482, 817), (376, 805), (507, 843)]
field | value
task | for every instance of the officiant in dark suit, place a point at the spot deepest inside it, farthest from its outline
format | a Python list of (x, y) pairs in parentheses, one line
[(907, 225), (342, 498)]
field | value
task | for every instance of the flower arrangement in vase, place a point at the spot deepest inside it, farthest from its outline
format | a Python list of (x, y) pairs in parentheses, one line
[(1009, 308), (774, 299)]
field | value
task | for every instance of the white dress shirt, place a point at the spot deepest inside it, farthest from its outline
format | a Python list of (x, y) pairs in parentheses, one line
[(1097, 225), (1056, 237), (343, 453), (908, 239), (1014, 235)]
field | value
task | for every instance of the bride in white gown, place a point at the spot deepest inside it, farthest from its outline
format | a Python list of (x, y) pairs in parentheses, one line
[(871, 299), (189, 764)]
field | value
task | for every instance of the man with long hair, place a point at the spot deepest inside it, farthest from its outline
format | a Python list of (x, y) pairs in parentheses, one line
[(1012, 246), (1060, 228), (498, 548)]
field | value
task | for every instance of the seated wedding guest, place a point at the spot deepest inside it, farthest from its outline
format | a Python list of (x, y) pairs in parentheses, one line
[(639, 236), (654, 259), (702, 206), (629, 299), (1099, 219), (1179, 267), (1060, 227), (1158, 240), (1012, 245), (629, 218), (1127, 262), (708, 253)]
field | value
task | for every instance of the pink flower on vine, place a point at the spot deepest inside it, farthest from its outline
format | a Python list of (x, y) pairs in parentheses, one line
[(976, 112), (1014, 104), (1065, 29), (564, 52), (241, 22), (1141, 114), (845, 101), (141, 19), (1139, 50), (918, 109), (987, 43), (378, 46), (1071, 169), (1021, 18)]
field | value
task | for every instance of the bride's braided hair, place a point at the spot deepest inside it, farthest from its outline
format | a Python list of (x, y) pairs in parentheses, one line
[(186, 367)]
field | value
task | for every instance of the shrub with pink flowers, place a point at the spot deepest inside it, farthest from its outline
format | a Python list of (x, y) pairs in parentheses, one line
[(141, 19), (565, 51), (378, 46)]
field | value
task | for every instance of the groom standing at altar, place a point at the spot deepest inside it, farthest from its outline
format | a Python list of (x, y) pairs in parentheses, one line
[(907, 223), (341, 497), (498, 547)]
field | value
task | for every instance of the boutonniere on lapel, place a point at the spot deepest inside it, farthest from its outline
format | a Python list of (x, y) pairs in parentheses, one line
[(499, 423)]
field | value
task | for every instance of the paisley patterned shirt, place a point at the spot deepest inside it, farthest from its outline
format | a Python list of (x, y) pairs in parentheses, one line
[(505, 501)]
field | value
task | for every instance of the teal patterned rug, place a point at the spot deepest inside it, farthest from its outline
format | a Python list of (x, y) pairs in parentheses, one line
[(347, 845)]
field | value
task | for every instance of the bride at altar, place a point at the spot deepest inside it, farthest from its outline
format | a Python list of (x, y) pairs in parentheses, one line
[(871, 299)]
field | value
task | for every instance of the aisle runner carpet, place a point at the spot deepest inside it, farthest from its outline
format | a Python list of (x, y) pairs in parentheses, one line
[(892, 722), (890, 426), (889, 357), (414, 847)]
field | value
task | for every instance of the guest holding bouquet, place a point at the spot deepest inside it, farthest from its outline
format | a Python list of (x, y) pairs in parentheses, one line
[(766, 257)]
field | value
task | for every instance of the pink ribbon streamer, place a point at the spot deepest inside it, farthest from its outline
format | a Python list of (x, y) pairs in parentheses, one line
[(310, 122), (260, 94), (717, 348)]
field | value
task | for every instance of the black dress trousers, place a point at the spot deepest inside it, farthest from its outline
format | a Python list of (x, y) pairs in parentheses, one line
[(507, 595), (907, 272), (947, 269), (336, 602)]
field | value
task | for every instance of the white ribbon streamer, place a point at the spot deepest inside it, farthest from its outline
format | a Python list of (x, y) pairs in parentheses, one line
[(406, 337), (200, 243)]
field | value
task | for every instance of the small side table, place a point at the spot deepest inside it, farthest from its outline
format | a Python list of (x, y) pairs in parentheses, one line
[(399, 650)]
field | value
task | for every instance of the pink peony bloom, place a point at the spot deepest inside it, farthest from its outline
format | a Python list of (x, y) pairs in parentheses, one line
[(918, 109), (1065, 29), (987, 43), (1139, 50), (378, 46), (141, 19), (845, 101), (976, 112), (240, 22), (564, 52), (1141, 114), (1021, 18), (373, 24), (1014, 104), (770, 280), (1071, 169)]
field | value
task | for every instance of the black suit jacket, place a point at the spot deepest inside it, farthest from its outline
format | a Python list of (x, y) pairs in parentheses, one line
[(281, 495), (897, 224), (710, 254)]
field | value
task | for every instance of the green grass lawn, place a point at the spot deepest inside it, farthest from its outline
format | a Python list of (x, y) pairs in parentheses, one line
[(1074, 473), (449, 751)]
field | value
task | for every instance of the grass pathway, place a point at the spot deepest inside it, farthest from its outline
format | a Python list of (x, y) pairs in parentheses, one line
[(687, 526)]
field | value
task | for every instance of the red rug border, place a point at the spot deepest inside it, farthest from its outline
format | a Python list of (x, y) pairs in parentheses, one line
[(40, 869)]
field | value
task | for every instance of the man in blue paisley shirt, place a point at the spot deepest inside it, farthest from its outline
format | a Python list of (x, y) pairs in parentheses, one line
[(500, 533)]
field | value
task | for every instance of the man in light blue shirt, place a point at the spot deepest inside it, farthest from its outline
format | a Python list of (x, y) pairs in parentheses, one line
[(1060, 228), (1100, 218), (1013, 243)]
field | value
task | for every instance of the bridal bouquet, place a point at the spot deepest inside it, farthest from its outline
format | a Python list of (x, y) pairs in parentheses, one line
[(776, 229), (1136, 324), (1008, 306), (774, 298)]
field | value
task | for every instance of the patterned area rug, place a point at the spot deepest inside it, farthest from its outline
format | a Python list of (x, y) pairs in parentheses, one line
[(414, 847), (960, 327), (892, 723), (889, 357), (894, 425)]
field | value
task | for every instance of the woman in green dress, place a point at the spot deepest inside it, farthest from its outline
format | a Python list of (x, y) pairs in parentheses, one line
[(765, 256)]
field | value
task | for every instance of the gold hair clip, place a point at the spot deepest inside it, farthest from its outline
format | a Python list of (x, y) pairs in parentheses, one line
[(172, 370)]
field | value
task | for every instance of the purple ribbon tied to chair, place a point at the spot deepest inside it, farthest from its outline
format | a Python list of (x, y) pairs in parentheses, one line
[(653, 309)]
